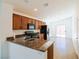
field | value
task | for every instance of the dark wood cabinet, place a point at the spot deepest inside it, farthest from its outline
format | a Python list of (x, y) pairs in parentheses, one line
[(50, 52), (25, 21), (39, 24), (30, 20), (16, 22), (20, 22), (36, 22)]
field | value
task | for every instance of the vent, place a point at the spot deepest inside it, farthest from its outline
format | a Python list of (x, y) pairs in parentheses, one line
[(45, 4), (26, 1)]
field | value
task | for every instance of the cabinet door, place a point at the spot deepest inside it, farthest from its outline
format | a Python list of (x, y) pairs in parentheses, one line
[(30, 20), (16, 22), (39, 24), (36, 23), (25, 21), (50, 52)]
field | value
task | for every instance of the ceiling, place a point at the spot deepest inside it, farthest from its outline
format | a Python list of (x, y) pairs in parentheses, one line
[(47, 9)]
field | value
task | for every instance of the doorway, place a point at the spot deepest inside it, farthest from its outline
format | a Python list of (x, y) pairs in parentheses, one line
[(60, 31)]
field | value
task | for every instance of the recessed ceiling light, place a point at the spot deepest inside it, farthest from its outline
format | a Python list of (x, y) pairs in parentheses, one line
[(35, 9)]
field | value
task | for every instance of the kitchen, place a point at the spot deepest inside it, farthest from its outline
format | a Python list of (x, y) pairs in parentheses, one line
[(7, 25)]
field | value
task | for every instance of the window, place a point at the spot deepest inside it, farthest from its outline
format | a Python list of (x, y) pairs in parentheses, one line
[(60, 31)]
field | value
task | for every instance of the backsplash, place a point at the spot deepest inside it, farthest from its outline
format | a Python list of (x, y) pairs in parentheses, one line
[(16, 32)]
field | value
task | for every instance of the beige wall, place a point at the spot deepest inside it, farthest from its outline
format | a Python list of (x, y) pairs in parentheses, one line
[(0, 22), (76, 28), (5, 28)]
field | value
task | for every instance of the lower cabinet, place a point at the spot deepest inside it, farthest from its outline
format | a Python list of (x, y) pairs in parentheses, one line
[(50, 52), (20, 52), (17, 51)]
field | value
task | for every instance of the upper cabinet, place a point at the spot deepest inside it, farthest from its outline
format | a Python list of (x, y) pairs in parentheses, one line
[(25, 21), (36, 22), (20, 22), (16, 22)]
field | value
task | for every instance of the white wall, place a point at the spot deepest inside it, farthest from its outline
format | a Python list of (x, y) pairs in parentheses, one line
[(5, 28), (0, 31), (75, 35), (76, 28)]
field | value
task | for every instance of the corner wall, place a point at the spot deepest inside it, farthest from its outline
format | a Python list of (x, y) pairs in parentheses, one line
[(0, 22), (5, 29)]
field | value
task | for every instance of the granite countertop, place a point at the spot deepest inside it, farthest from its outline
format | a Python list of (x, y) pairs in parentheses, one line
[(37, 44)]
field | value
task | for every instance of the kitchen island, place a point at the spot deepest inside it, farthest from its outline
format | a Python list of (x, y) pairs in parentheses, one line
[(30, 49)]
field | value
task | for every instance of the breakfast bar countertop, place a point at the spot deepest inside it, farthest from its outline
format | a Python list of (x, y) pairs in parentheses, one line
[(37, 44)]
